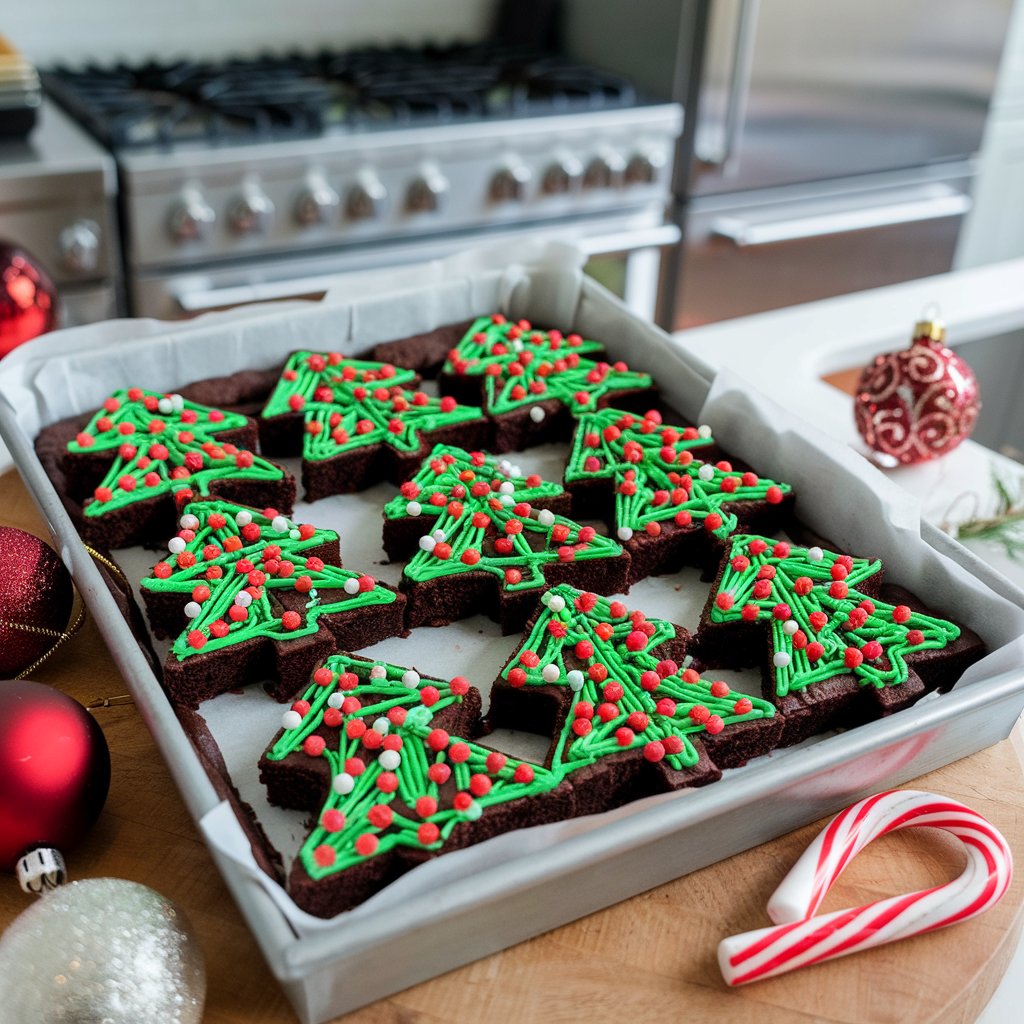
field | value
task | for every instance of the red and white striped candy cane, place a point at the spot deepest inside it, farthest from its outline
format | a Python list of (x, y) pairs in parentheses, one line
[(799, 938)]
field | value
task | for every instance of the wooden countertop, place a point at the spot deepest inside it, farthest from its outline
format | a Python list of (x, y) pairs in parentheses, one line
[(651, 957)]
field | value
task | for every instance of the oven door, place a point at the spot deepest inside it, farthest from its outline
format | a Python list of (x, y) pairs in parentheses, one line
[(623, 253)]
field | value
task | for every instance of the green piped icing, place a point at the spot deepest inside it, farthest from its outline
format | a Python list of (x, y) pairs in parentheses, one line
[(656, 477), (353, 403), (522, 366), (222, 553), (483, 504), (569, 619), (165, 444), (783, 584)]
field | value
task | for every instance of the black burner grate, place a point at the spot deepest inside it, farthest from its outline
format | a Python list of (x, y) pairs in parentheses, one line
[(299, 96)]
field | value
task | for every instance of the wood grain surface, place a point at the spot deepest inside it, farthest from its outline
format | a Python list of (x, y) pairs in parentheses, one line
[(650, 958)]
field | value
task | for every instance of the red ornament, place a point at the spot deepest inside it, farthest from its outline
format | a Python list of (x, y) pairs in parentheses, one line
[(917, 404), (28, 299), (35, 600), (55, 768)]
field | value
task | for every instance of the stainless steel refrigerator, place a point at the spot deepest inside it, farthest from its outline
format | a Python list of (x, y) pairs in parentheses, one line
[(829, 146)]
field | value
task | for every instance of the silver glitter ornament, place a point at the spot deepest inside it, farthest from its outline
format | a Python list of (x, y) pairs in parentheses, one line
[(101, 950)]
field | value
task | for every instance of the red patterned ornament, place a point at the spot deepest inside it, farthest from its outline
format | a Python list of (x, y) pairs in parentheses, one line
[(28, 299), (917, 404)]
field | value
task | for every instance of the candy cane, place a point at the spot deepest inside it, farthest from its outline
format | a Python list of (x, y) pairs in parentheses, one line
[(799, 938)]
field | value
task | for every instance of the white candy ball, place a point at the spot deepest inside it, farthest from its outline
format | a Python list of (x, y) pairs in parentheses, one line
[(575, 679), (382, 726), (551, 673), (343, 783), (243, 518), (790, 626), (291, 719), (390, 760), (624, 533), (243, 599), (815, 554), (189, 522), (780, 659), (507, 487), (177, 403), (414, 508), (164, 406), (704, 431), (378, 672), (506, 499), (351, 586), (427, 544), (192, 609), (176, 545), (335, 700), (438, 535), (279, 524), (546, 517), (556, 603), (537, 414), (411, 678), (706, 472)]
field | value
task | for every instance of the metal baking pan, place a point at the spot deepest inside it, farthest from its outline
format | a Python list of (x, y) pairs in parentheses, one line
[(337, 968)]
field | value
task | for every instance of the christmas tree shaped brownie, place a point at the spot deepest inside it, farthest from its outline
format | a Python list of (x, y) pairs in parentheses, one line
[(488, 539), (145, 453), (250, 595), (661, 494), (532, 381), (836, 648), (357, 422), (390, 763)]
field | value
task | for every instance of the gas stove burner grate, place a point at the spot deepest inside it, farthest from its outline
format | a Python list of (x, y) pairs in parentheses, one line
[(302, 96)]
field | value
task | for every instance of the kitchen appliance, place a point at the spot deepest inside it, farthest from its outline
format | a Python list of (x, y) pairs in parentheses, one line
[(251, 180), (57, 202), (831, 146)]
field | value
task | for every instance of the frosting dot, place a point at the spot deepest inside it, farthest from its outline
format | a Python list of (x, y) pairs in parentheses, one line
[(344, 783), (704, 431), (780, 659), (414, 508), (790, 626), (378, 672), (537, 414), (546, 517), (291, 719), (507, 487), (351, 586), (624, 533), (279, 524), (243, 599), (411, 679), (176, 545), (556, 603), (243, 518), (815, 554), (189, 522), (438, 536), (164, 406), (427, 544), (381, 725), (192, 609), (550, 673), (575, 680), (706, 472), (506, 499), (177, 403), (389, 760), (335, 700)]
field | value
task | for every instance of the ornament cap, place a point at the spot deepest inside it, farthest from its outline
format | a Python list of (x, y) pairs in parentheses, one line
[(931, 329), (41, 869)]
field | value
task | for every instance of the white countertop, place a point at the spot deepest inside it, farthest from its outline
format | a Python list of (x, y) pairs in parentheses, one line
[(786, 352)]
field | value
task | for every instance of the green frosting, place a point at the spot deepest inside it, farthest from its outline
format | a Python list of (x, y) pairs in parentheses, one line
[(620, 698), (352, 403), (522, 366), (656, 477), (164, 444), (821, 625), (231, 565), (477, 515)]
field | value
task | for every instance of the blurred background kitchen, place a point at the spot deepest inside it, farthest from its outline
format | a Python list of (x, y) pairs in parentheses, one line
[(193, 156)]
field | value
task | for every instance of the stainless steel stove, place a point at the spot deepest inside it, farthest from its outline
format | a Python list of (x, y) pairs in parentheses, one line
[(265, 178)]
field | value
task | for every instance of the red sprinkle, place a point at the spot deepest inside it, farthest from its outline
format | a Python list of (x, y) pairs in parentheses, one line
[(367, 844)]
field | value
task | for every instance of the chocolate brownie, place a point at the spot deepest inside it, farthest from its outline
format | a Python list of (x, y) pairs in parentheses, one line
[(357, 422), (487, 539), (836, 647), (532, 382), (125, 473), (248, 598)]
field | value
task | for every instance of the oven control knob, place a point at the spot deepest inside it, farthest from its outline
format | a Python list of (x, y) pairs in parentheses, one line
[(509, 183), (428, 192), (643, 168), (79, 246), (191, 218), (562, 176), (606, 170), (315, 204), (366, 198), (251, 212)]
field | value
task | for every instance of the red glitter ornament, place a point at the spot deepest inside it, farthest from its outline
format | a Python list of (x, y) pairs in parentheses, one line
[(55, 768), (917, 404), (28, 299), (35, 600)]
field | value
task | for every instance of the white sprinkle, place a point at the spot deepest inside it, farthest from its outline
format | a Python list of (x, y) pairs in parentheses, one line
[(192, 609), (410, 678), (279, 524), (414, 508), (243, 599), (176, 545), (382, 726), (189, 521), (351, 586), (438, 536), (546, 517), (335, 700), (506, 499), (551, 673), (575, 679), (704, 431), (473, 811), (177, 403), (815, 554), (556, 603), (164, 406), (378, 672), (390, 760), (624, 533), (537, 414), (780, 659), (294, 534), (344, 784), (243, 518), (706, 472), (427, 544), (790, 626), (291, 719), (507, 487)]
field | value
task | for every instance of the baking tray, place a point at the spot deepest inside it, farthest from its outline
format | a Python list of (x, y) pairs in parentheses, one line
[(333, 969)]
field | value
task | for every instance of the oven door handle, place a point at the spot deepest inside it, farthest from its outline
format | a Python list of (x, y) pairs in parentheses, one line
[(630, 240), (748, 233), (203, 300)]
